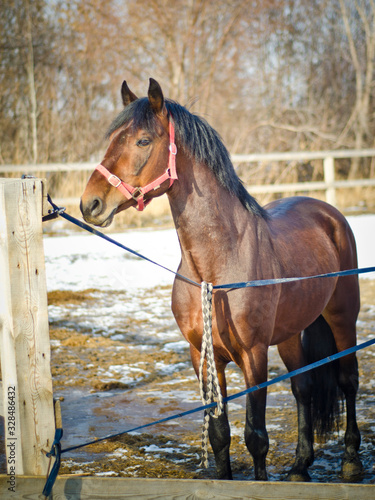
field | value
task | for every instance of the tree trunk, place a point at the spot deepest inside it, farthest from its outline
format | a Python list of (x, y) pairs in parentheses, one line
[(31, 82)]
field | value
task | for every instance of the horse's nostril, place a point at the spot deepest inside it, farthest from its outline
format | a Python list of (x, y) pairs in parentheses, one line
[(96, 206)]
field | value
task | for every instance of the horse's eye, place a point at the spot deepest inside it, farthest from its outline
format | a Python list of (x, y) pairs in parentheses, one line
[(143, 142)]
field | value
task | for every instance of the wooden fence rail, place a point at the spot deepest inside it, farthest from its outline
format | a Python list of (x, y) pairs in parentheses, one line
[(329, 184), (116, 488)]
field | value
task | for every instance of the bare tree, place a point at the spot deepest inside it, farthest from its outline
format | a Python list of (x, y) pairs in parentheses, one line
[(359, 24), (31, 82), (269, 75)]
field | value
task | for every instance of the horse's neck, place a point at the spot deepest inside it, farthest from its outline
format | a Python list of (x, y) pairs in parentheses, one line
[(210, 222)]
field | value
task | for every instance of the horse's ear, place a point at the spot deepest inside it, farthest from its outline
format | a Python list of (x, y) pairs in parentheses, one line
[(126, 94), (156, 98)]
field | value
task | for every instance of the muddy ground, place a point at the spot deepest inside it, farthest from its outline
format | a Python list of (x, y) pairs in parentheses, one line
[(115, 371)]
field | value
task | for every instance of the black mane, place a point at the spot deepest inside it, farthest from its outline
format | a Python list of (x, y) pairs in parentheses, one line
[(197, 137)]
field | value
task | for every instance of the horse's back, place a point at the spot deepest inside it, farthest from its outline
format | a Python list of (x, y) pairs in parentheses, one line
[(303, 208), (311, 217)]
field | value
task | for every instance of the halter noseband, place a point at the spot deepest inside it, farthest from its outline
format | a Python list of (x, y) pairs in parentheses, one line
[(138, 193)]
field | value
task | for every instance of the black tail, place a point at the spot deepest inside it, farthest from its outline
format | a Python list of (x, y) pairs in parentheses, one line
[(318, 343)]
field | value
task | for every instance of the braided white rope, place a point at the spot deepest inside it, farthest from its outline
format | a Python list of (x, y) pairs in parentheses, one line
[(210, 391)]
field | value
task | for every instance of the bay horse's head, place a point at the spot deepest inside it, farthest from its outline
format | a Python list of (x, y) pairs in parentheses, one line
[(139, 163)]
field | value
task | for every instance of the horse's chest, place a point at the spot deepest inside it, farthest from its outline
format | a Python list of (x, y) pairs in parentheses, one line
[(232, 318)]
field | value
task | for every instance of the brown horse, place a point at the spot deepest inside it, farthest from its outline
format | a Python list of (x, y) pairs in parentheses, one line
[(226, 237)]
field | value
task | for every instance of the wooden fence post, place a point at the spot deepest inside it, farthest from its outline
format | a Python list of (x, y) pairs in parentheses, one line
[(329, 178), (24, 335)]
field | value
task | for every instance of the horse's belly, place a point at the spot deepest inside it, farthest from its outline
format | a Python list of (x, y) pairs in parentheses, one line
[(299, 305)]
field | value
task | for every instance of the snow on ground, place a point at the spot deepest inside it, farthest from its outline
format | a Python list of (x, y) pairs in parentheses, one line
[(141, 317), (363, 227), (77, 262), (81, 261)]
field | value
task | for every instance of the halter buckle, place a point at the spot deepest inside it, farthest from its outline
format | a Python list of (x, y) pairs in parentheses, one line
[(114, 180), (137, 193)]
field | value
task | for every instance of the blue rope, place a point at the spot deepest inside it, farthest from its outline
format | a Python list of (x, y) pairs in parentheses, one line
[(90, 229), (254, 388), (275, 281), (56, 450), (243, 284)]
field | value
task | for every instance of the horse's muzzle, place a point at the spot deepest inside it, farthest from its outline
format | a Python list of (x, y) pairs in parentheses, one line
[(93, 212)]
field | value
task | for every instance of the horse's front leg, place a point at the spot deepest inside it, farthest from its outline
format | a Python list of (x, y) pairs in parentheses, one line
[(256, 437), (218, 430), (219, 435)]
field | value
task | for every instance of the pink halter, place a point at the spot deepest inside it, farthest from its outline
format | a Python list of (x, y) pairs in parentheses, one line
[(138, 193)]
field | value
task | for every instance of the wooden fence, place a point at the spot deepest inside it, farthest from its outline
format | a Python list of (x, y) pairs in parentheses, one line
[(329, 184), (28, 411), (27, 399), (115, 488)]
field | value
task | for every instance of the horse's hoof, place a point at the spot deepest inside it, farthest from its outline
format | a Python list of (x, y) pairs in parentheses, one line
[(352, 469), (225, 477), (298, 476), (261, 475)]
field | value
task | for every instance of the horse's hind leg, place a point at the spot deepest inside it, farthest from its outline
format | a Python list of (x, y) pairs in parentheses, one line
[(291, 353), (348, 381), (341, 315)]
